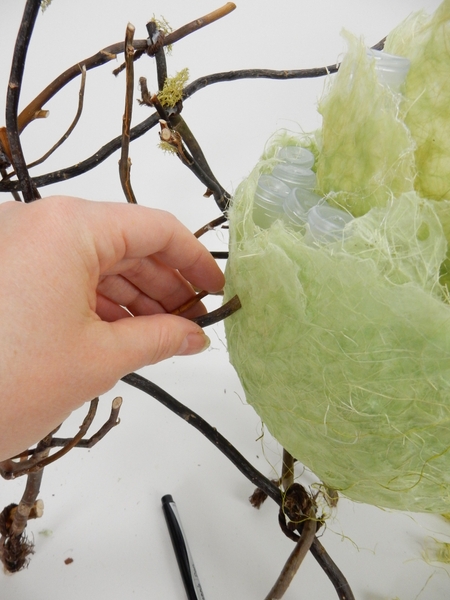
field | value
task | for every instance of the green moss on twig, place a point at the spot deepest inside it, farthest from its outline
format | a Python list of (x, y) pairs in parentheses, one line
[(172, 91)]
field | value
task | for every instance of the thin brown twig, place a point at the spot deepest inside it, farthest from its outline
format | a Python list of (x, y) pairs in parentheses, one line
[(193, 26), (15, 548), (219, 314), (112, 421), (160, 57), (221, 196), (29, 113), (295, 559), (71, 127), (14, 193), (30, 13), (34, 108), (210, 226), (287, 470), (10, 469), (263, 483), (159, 107), (174, 139), (332, 571), (125, 162), (86, 165), (190, 303)]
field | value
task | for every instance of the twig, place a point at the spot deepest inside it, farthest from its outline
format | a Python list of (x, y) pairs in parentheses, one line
[(333, 573), (312, 73), (210, 226), (105, 151), (287, 470), (125, 162), (15, 548), (86, 165), (219, 254), (295, 559), (157, 39), (14, 193), (33, 109), (219, 314), (221, 196), (161, 66), (72, 125), (207, 430), (182, 32), (12, 99), (197, 163), (263, 483), (174, 139), (10, 469), (112, 421), (190, 303)]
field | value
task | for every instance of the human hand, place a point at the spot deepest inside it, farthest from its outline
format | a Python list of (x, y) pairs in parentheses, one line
[(68, 269)]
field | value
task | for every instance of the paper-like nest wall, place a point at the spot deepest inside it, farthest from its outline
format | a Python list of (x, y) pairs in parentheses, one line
[(343, 349)]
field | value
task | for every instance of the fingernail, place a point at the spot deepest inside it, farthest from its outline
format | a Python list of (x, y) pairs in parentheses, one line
[(194, 343)]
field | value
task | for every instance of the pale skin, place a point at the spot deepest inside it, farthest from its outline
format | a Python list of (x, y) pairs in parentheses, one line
[(86, 288)]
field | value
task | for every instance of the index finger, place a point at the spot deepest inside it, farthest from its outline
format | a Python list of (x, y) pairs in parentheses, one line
[(130, 231)]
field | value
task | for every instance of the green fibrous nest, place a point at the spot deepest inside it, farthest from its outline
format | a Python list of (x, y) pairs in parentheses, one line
[(427, 91), (172, 91), (45, 4), (372, 157), (343, 348)]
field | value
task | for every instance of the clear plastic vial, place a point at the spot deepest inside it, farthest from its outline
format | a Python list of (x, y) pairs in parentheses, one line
[(295, 176), (326, 223), (296, 155), (391, 70), (268, 201), (297, 206)]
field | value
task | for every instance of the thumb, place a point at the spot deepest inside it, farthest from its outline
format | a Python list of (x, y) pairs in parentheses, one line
[(134, 342)]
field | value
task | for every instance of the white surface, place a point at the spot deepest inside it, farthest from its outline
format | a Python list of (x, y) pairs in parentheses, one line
[(102, 507)]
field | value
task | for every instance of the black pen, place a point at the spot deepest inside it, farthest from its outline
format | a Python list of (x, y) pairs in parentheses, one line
[(184, 557)]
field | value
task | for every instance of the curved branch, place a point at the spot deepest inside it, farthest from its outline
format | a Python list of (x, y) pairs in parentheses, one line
[(219, 314), (105, 151), (86, 165), (10, 469), (33, 109), (211, 433), (295, 559), (333, 573), (71, 127), (263, 483), (203, 82), (12, 98)]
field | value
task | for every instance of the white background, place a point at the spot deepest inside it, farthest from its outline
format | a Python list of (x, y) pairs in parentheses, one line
[(102, 507)]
